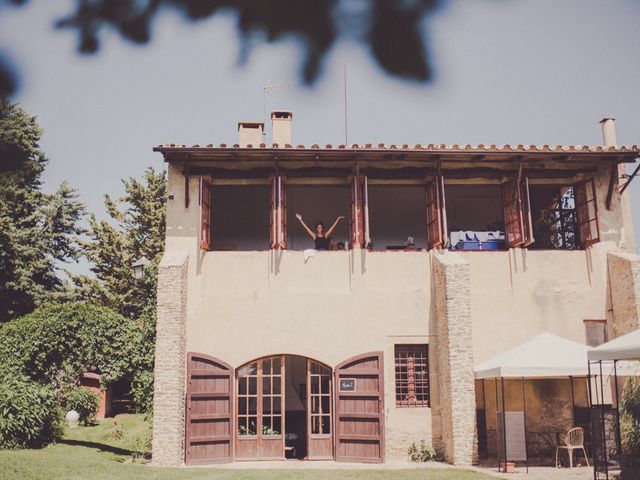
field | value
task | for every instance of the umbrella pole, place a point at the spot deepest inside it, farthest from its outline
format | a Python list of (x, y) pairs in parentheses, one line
[(591, 415), (495, 383), (619, 439), (504, 425), (573, 402), (526, 440)]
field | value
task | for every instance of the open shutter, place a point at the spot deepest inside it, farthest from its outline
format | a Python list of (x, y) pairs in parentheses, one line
[(513, 215), (282, 192), (273, 221), (359, 409), (205, 214), (437, 229), (357, 237), (587, 212), (278, 217), (365, 212), (209, 424), (527, 221)]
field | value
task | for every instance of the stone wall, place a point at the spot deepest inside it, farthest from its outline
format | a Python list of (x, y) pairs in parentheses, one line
[(624, 285), (169, 387), (452, 288)]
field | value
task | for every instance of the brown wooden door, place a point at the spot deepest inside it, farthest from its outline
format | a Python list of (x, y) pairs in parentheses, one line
[(260, 405), (319, 424), (209, 423), (359, 409)]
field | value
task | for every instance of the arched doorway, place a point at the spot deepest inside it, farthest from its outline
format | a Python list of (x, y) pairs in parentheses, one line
[(251, 413), (284, 409)]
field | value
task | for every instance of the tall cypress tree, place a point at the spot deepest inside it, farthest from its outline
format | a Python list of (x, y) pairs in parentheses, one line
[(37, 230)]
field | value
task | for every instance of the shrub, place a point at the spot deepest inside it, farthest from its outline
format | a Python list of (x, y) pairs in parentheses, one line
[(86, 403), (30, 413), (56, 343), (630, 417), (423, 453)]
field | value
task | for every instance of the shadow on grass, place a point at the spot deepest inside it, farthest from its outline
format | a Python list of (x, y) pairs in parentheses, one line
[(99, 446)]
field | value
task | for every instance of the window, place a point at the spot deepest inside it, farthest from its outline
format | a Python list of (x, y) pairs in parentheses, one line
[(316, 203), (595, 332), (475, 217), (235, 217), (412, 375), (396, 212), (553, 211)]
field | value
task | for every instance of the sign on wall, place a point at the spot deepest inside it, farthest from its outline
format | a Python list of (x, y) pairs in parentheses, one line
[(347, 384)]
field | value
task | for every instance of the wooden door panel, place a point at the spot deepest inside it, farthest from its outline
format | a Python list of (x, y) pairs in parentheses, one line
[(260, 410), (359, 409), (208, 432), (319, 412)]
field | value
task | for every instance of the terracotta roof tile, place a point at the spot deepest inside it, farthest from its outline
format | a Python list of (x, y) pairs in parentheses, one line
[(433, 148)]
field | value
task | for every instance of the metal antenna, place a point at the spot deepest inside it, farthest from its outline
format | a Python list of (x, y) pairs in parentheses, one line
[(267, 89), (346, 138)]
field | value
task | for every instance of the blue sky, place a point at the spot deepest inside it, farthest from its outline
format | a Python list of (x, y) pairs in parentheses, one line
[(506, 71)]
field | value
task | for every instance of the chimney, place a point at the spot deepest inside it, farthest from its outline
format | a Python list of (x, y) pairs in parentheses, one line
[(609, 131), (281, 127), (250, 133)]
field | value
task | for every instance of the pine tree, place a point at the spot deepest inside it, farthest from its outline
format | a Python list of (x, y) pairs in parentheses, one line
[(37, 230), (136, 230)]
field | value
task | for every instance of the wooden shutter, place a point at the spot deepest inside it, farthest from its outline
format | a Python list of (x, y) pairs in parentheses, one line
[(365, 212), (209, 425), (437, 230), (205, 214), (527, 221), (587, 212), (359, 409), (278, 217), (282, 192), (513, 215), (357, 234)]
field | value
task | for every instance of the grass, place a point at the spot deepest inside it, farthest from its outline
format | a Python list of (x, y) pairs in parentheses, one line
[(97, 453)]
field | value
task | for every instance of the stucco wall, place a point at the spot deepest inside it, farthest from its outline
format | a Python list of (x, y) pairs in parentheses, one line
[(243, 305)]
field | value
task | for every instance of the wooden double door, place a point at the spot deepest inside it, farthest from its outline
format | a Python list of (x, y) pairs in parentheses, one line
[(245, 419)]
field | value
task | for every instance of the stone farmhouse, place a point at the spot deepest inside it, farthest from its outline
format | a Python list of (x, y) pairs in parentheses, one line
[(447, 256)]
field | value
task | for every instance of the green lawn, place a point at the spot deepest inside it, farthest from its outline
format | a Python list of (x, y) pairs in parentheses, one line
[(97, 453)]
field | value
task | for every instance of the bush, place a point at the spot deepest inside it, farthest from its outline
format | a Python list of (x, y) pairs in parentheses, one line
[(30, 413), (422, 453), (56, 343), (86, 403), (630, 417)]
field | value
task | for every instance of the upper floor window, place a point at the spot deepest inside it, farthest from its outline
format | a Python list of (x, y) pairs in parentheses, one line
[(354, 212), (412, 375)]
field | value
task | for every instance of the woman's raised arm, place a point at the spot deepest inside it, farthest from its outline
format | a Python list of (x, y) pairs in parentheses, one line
[(330, 231), (311, 234)]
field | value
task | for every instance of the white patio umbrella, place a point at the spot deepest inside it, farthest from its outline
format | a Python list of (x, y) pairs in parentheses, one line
[(544, 356), (626, 347)]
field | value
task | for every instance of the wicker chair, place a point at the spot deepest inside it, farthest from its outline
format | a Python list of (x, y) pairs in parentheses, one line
[(573, 440)]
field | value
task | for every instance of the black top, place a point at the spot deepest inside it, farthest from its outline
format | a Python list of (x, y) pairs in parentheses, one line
[(322, 243)]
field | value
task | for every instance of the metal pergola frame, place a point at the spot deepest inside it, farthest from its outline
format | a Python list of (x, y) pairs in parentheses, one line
[(593, 407)]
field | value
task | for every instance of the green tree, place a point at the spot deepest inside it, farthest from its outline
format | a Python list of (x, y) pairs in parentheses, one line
[(137, 230), (37, 230)]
